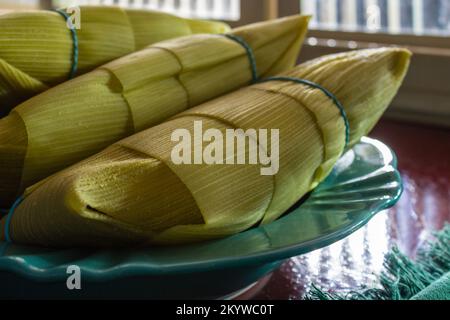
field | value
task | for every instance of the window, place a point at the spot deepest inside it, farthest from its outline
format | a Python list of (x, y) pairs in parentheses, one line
[(423, 17), (421, 25)]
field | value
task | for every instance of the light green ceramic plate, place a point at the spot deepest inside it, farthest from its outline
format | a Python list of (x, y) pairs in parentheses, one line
[(364, 182)]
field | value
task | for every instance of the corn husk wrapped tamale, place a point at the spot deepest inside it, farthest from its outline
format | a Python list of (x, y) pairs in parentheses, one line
[(36, 47), (81, 117), (134, 193)]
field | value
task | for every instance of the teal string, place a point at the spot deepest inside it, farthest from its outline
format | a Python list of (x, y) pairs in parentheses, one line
[(74, 67), (250, 54), (326, 92), (9, 217)]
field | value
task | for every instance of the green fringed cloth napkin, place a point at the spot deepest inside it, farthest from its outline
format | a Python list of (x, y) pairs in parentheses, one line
[(427, 278)]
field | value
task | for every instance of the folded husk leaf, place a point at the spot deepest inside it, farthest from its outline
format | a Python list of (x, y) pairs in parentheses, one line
[(36, 46), (81, 117), (133, 193)]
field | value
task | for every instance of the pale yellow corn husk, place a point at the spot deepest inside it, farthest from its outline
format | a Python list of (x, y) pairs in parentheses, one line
[(132, 192), (81, 117), (36, 46)]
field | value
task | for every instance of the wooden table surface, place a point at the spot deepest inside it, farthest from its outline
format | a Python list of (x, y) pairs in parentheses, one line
[(424, 162)]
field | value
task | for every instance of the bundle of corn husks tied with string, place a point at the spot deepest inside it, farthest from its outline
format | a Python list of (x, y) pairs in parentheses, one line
[(38, 49), (82, 116), (156, 188)]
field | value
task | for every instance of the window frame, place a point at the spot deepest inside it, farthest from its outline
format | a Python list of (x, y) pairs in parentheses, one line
[(425, 94)]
